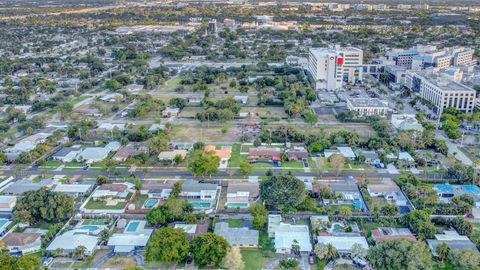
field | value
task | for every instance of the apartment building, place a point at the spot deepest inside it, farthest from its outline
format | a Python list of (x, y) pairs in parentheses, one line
[(330, 67), (421, 57), (441, 90), (368, 106)]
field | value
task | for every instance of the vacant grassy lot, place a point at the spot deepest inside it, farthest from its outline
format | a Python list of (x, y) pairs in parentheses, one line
[(120, 262), (253, 259), (203, 133)]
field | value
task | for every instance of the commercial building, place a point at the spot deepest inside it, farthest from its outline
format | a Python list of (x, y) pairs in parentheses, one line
[(441, 90), (330, 67), (368, 106)]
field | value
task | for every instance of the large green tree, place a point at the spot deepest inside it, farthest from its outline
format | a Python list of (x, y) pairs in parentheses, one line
[(7, 262), (259, 214), (419, 222), (204, 163), (168, 245), (282, 191), (464, 259), (209, 250), (43, 205), (401, 255)]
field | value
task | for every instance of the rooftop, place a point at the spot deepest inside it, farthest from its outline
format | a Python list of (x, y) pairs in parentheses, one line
[(237, 236), (20, 239), (367, 102)]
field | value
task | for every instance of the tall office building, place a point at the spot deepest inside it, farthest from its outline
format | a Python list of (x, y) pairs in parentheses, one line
[(330, 67)]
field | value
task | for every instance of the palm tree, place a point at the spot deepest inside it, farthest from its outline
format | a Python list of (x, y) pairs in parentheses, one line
[(79, 252), (104, 235), (442, 251), (331, 252)]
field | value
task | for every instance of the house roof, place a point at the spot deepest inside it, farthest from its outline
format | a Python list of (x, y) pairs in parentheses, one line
[(236, 236), (172, 154), (346, 152), (65, 151), (388, 233), (343, 243), (127, 239), (14, 239), (72, 188), (224, 153), (23, 186), (73, 239), (114, 187), (251, 188), (453, 244), (285, 239), (195, 186), (383, 186), (405, 156)]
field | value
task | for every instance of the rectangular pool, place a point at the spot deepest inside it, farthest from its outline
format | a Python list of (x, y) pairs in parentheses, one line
[(132, 226), (237, 205), (201, 204)]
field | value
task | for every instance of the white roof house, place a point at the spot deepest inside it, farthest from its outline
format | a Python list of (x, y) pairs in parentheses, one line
[(343, 244), (405, 122), (96, 154), (405, 156), (70, 240), (112, 126), (347, 152), (285, 235), (7, 203), (73, 189), (124, 242)]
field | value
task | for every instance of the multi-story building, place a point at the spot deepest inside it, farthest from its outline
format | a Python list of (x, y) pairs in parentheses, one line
[(330, 67), (421, 57), (440, 89), (212, 27), (368, 106)]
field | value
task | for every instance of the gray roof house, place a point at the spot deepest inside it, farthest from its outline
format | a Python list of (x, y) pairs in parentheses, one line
[(241, 237), (453, 240), (22, 186), (67, 154), (96, 154)]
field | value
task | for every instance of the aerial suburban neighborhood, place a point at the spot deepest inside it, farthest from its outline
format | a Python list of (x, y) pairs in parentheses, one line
[(240, 134)]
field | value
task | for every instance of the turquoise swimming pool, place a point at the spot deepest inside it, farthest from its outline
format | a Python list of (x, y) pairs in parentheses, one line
[(237, 205), (150, 203), (3, 224), (201, 204), (132, 226), (91, 228)]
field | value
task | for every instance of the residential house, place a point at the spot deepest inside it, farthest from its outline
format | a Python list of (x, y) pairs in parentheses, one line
[(156, 127), (22, 243), (453, 240), (405, 159), (129, 150), (225, 153), (25, 145), (117, 190), (112, 98), (193, 230), (93, 112), (348, 191), (265, 153), (241, 99), (345, 151), (388, 233), (67, 154), (406, 122), (74, 190), (97, 154), (195, 100), (7, 203), (285, 235), (112, 126), (371, 157), (237, 237), (67, 242), (171, 155), (134, 237), (22, 186), (240, 194), (134, 88), (170, 112), (297, 153), (201, 195), (343, 243)]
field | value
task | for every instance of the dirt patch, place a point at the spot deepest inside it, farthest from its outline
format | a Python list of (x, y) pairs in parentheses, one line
[(119, 262)]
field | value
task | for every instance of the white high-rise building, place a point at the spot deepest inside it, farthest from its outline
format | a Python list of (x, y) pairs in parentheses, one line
[(330, 67)]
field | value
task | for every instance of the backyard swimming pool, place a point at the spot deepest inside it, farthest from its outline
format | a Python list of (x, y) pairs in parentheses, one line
[(91, 228), (237, 205), (201, 204), (150, 203), (132, 226), (3, 224), (444, 187)]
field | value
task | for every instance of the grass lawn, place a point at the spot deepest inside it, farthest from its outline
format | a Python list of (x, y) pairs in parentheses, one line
[(95, 222), (139, 200), (101, 204), (77, 100), (475, 236), (292, 164), (265, 242), (53, 163), (253, 259), (235, 223), (445, 266), (236, 157), (261, 167), (119, 262)]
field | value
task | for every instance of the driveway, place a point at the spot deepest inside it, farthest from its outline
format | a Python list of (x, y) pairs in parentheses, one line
[(453, 149), (102, 260)]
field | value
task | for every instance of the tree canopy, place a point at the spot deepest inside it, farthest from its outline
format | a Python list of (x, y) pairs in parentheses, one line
[(282, 191), (168, 245), (401, 255), (209, 249), (43, 205)]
